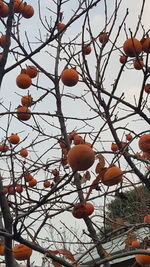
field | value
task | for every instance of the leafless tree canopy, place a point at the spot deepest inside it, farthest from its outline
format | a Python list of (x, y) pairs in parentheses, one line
[(102, 103)]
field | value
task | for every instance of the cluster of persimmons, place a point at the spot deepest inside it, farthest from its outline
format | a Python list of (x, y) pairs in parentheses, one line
[(134, 48), (19, 6), (24, 81), (14, 139)]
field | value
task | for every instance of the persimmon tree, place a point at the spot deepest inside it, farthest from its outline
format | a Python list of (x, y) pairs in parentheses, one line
[(74, 81)]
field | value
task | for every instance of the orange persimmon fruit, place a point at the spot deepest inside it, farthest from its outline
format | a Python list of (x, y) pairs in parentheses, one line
[(132, 47), (69, 77), (81, 157)]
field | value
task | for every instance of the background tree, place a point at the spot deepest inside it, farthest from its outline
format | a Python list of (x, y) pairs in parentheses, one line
[(74, 122), (131, 206)]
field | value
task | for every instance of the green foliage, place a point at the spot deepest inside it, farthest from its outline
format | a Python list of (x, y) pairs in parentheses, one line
[(131, 206)]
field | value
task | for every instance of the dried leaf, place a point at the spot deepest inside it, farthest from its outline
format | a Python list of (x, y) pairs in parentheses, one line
[(106, 254), (117, 223), (64, 252), (86, 177), (96, 181), (101, 160), (98, 168)]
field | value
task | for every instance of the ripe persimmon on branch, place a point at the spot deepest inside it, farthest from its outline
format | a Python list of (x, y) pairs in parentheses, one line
[(74, 126)]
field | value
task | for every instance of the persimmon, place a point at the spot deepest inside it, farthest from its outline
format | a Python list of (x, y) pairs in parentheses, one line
[(27, 11), (55, 172), (1, 4), (146, 44), (18, 6), (31, 71), (144, 143), (23, 113), (129, 137), (4, 11), (4, 148), (21, 252), (24, 152), (11, 190), (60, 26), (147, 88), (28, 177), (143, 259), (89, 208), (81, 157), (32, 183), (23, 80), (19, 188), (27, 100), (103, 38), (5, 189), (2, 250), (87, 49), (112, 176), (69, 77), (14, 139), (147, 218), (135, 244), (132, 47), (82, 210), (114, 147), (47, 183), (3, 41), (123, 59), (138, 64), (79, 210)]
